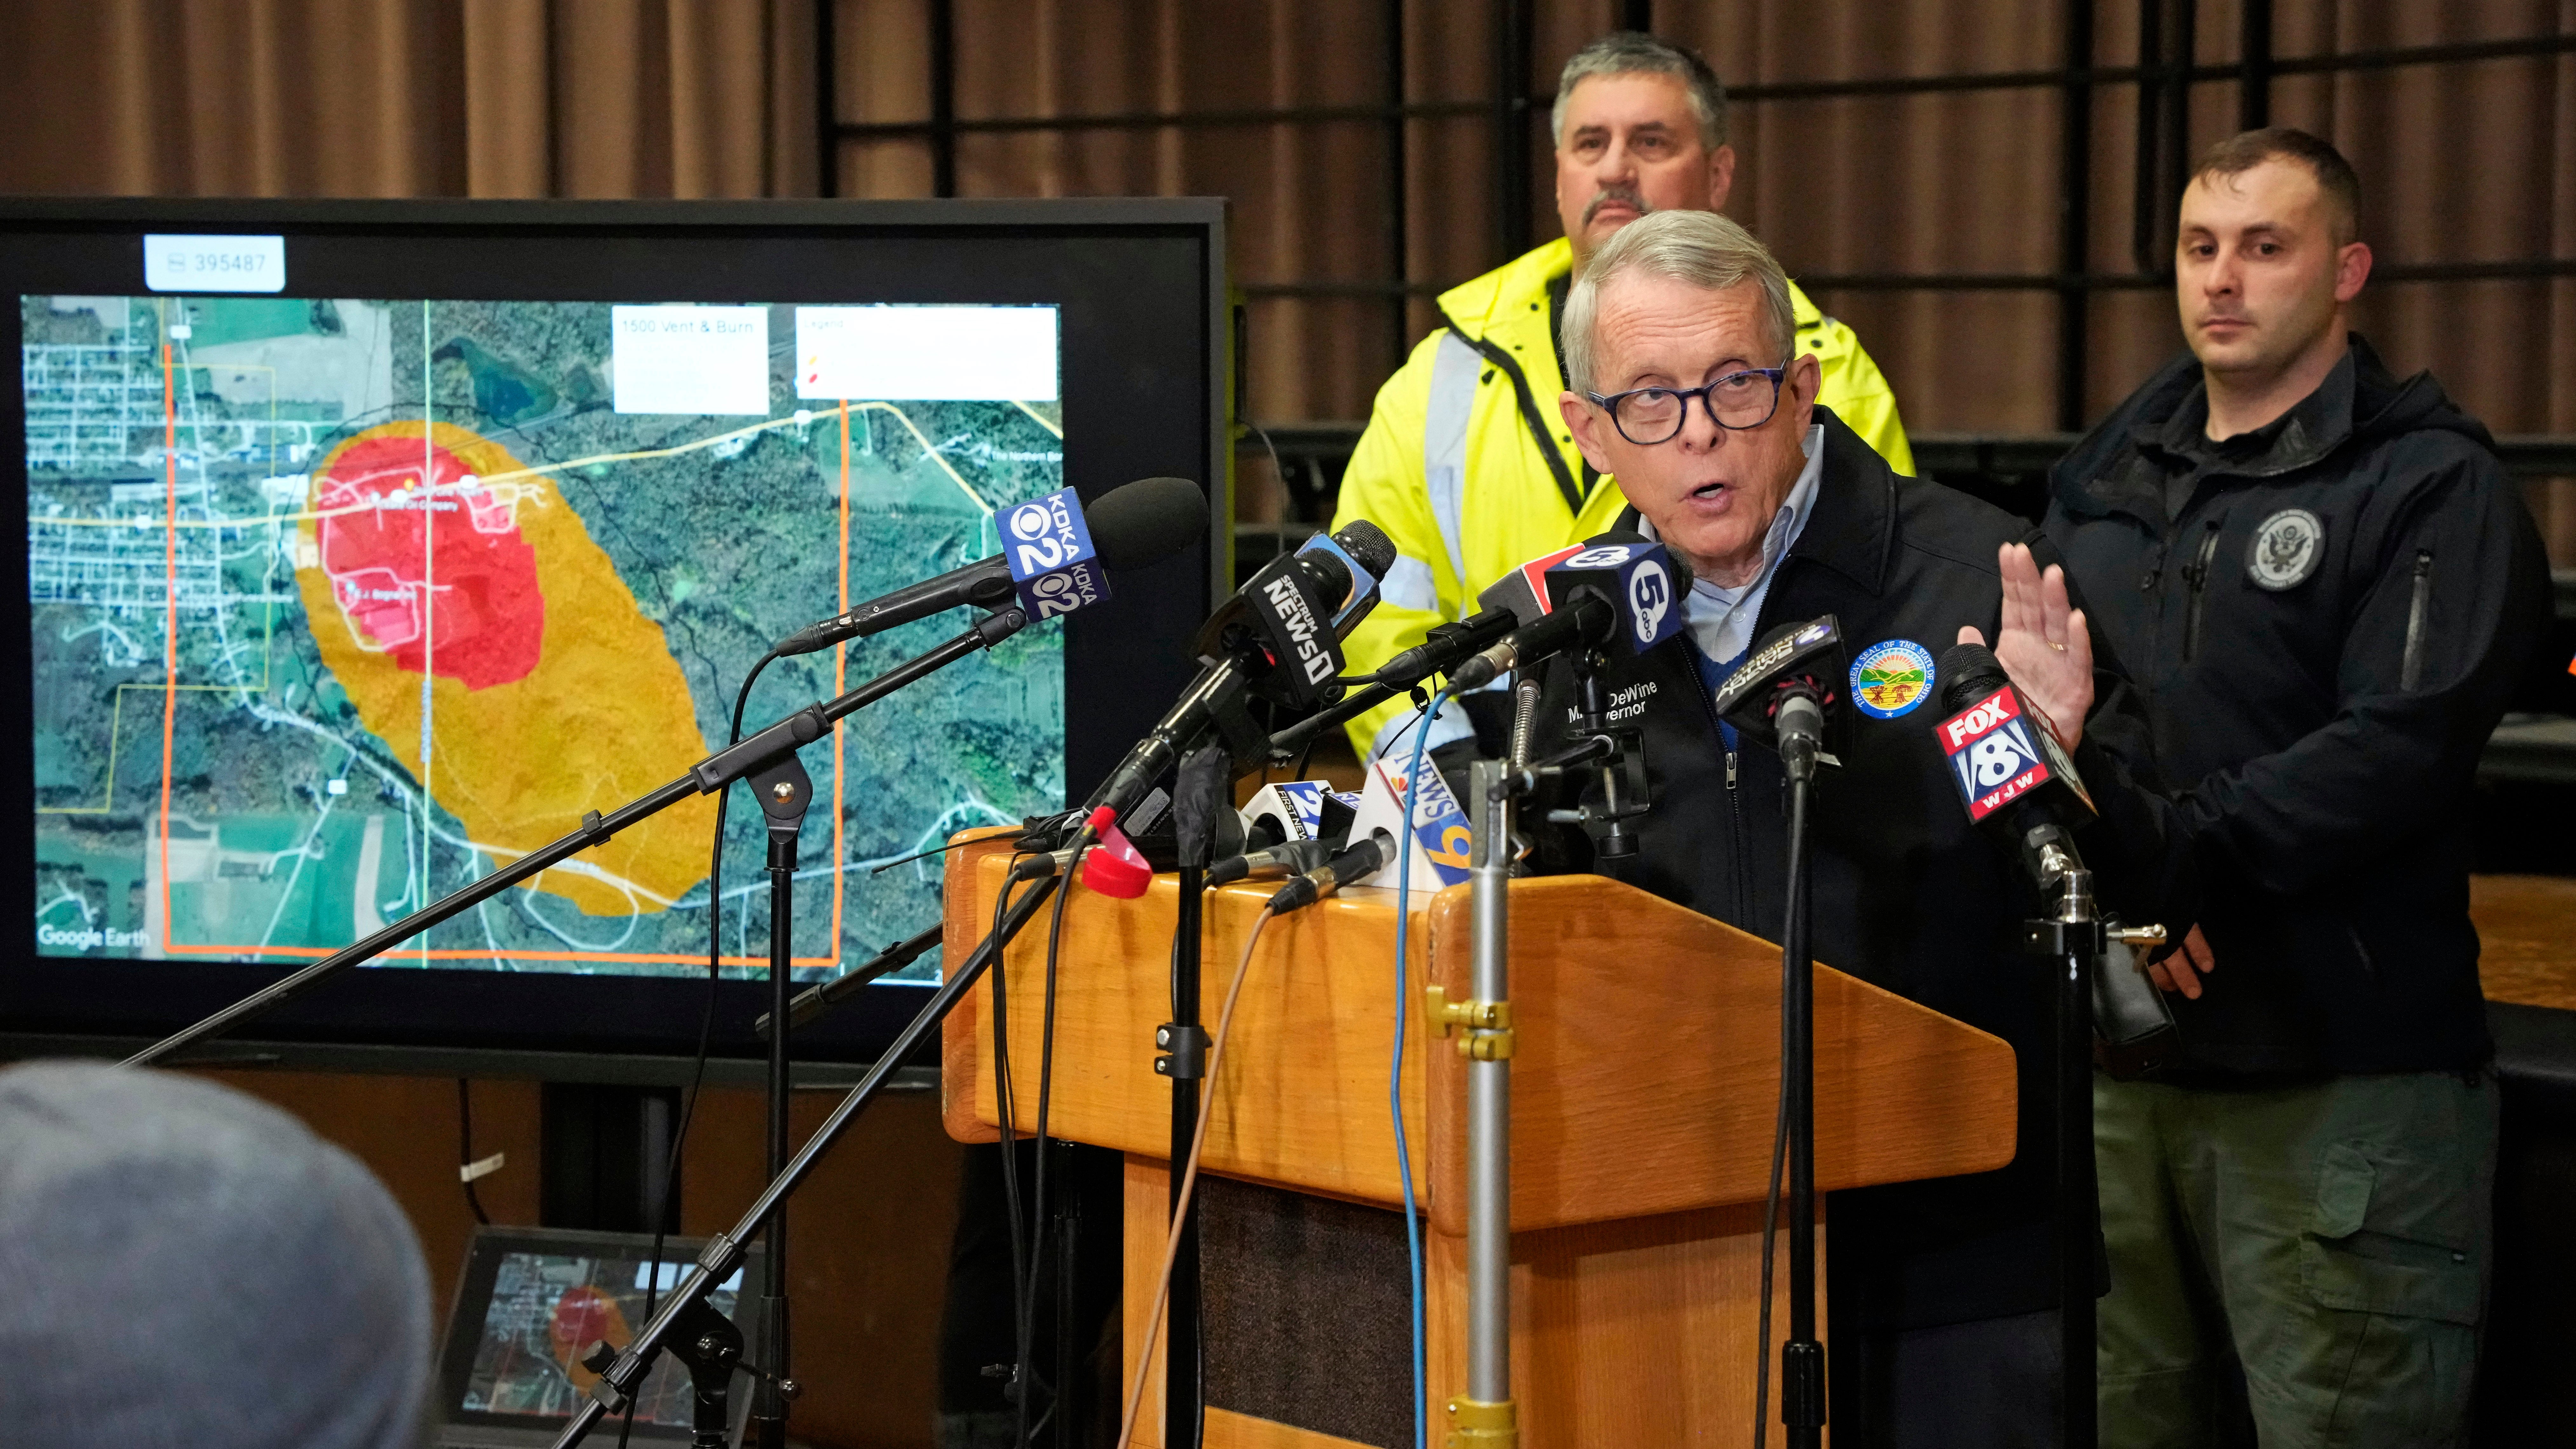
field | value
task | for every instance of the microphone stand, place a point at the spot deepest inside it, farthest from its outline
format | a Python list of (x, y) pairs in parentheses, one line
[(755, 754), (1183, 1058), (1485, 1414), (813, 1001), (784, 790), (1802, 1358), (618, 1382), (2071, 936), (1181, 1053)]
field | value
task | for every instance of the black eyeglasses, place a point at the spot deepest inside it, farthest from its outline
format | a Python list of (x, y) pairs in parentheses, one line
[(1649, 415)]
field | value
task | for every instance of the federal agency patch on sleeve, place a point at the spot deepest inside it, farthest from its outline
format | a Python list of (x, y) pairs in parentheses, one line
[(2286, 549), (1891, 678)]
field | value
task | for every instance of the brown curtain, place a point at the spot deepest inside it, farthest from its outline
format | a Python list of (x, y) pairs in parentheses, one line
[(2459, 163), (688, 98), (716, 98)]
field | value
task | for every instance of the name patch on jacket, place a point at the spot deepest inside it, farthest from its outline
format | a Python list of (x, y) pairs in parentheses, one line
[(2286, 549), (1891, 678)]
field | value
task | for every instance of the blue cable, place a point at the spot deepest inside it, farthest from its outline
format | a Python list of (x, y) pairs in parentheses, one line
[(1395, 1075)]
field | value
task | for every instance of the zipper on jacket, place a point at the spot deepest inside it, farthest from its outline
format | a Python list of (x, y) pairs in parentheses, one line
[(2196, 574), (2410, 669), (1734, 799)]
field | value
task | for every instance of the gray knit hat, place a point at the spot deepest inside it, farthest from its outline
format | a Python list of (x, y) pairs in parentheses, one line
[(184, 1267)]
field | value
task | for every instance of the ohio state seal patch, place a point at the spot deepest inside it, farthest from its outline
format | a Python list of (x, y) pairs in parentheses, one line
[(1891, 678)]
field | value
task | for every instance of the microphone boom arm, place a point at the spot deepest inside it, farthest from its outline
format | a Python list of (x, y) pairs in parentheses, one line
[(711, 774)]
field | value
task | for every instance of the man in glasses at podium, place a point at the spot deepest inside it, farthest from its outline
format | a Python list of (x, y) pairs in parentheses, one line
[(1465, 463), (1686, 388)]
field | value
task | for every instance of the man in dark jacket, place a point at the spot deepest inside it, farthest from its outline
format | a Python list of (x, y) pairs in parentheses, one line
[(2327, 587), (1691, 396)]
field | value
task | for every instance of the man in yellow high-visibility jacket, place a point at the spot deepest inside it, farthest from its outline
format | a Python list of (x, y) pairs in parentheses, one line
[(1466, 462)]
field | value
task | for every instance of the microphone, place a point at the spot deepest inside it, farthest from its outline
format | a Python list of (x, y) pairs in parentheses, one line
[(1289, 856), (1614, 588), (2004, 757), (815, 1000), (1348, 868), (1054, 560), (1795, 663), (1446, 645), (1343, 567), (1800, 721), (1293, 613), (1111, 865), (2018, 783)]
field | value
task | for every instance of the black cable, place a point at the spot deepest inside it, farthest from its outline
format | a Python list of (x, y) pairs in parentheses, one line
[(1025, 1371), (1007, 1110), (1770, 1231), (1404, 723), (465, 1147), (706, 1031), (1771, 1219)]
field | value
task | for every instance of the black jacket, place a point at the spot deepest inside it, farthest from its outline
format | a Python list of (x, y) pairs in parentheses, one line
[(2323, 701), (1907, 895)]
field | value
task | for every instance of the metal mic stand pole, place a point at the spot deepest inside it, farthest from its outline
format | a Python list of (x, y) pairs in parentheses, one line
[(1485, 1416), (2071, 938), (713, 773), (784, 790), (620, 1379), (1183, 1058), (1802, 1358)]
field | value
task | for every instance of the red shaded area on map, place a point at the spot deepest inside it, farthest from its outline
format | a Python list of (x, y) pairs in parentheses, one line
[(474, 585)]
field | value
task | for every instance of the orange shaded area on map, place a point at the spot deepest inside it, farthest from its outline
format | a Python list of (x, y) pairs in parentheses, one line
[(584, 1316), (550, 693)]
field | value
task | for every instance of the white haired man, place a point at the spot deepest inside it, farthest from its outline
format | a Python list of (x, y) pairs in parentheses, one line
[(1688, 388), (1465, 463)]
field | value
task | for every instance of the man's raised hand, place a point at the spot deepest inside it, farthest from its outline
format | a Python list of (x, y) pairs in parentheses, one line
[(2042, 643)]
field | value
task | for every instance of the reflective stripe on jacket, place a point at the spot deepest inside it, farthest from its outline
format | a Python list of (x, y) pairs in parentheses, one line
[(1469, 467)]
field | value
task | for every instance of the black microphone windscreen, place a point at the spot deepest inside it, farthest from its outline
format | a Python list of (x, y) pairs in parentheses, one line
[(1968, 673), (1369, 545), (1145, 522)]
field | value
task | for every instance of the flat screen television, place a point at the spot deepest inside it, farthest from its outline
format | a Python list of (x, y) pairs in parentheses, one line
[(370, 544)]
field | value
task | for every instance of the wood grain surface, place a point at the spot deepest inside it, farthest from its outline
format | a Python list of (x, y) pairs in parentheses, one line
[(1623, 1334), (964, 918), (1647, 1040), (1300, 1099), (1648, 1065), (1627, 1333), (2527, 931)]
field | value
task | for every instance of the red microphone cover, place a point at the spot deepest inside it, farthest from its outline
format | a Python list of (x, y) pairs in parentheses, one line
[(1114, 867)]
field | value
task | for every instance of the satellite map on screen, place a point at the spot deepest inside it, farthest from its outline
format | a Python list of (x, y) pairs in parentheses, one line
[(339, 604), (549, 1310)]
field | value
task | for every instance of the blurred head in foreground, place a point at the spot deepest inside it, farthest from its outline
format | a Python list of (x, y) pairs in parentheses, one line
[(183, 1267)]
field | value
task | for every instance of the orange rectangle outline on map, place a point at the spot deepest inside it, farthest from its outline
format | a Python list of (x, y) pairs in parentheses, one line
[(170, 720)]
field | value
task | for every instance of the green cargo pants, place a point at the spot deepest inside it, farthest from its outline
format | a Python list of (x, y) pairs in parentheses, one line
[(2332, 1241)]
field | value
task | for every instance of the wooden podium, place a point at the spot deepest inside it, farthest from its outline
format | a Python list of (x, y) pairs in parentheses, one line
[(1643, 1092)]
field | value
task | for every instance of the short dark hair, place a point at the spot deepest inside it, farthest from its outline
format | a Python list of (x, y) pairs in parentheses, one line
[(2246, 150)]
